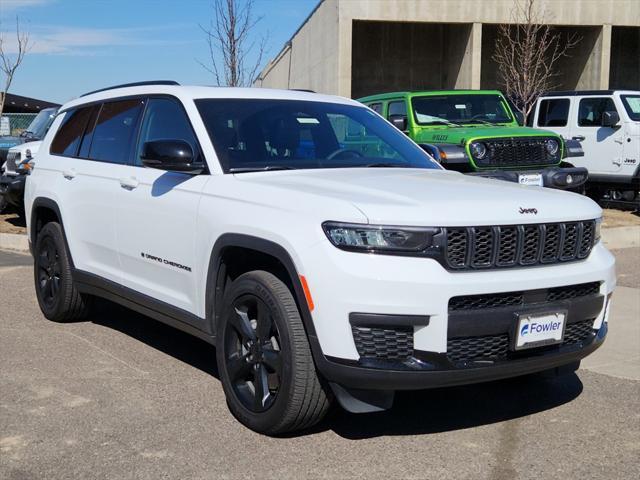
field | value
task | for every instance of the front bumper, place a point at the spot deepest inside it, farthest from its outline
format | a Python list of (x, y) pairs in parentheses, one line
[(554, 177), (422, 289), (12, 188)]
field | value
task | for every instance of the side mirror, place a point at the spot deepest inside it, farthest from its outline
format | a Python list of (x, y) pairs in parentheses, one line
[(399, 121), (519, 118), (610, 119), (171, 155)]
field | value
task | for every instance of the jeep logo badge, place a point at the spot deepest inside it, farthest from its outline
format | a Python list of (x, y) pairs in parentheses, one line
[(528, 210)]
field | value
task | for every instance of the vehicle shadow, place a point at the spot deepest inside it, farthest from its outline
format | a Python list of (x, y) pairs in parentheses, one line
[(413, 413)]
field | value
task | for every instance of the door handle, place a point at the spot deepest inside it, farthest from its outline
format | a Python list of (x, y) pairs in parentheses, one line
[(578, 138), (69, 174), (129, 183)]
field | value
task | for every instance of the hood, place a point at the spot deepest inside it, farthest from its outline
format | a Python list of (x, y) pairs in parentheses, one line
[(32, 145), (458, 135), (421, 197), (7, 142)]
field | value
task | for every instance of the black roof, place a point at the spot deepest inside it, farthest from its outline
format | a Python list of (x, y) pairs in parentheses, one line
[(19, 104), (134, 84)]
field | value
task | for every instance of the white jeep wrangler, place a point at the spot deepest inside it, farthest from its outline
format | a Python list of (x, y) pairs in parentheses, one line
[(320, 250), (607, 124)]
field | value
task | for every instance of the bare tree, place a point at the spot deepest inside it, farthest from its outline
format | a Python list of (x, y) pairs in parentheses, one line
[(527, 54), (230, 43), (9, 62)]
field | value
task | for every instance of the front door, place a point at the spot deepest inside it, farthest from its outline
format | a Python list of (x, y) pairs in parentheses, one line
[(157, 215)]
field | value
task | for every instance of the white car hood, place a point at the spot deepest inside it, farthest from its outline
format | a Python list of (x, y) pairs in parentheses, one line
[(402, 196)]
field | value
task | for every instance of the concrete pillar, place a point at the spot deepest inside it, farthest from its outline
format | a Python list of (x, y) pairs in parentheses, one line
[(476, 54), (605, 56)]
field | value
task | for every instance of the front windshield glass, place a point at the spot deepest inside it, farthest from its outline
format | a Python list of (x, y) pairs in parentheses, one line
[(632, 106), (460, 109), (41, 123), (260, 134)]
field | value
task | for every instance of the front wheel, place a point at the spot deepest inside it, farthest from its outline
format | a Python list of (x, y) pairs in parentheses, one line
[(264, 358)]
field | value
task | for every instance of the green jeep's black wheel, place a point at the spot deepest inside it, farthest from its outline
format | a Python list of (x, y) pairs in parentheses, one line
[(57, 295), (264, 358)]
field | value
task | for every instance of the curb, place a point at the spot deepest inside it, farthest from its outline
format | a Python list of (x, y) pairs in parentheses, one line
[(14, 241), (621, 237)]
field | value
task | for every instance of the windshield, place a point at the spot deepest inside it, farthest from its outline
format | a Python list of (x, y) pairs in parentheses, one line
[(459, 109), (632, 106), (41, 123), (257, 134)]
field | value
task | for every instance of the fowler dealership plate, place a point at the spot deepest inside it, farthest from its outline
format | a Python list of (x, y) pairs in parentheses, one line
[(530, 179), (536, 330)]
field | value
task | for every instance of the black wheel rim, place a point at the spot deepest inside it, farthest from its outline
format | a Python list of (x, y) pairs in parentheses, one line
[(49, 272), (253, 355)]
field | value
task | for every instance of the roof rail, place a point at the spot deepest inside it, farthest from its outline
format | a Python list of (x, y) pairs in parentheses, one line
[(134, 84)]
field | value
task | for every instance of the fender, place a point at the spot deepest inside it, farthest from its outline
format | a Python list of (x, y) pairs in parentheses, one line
[(214, 290), (51, 205), (446, 154)]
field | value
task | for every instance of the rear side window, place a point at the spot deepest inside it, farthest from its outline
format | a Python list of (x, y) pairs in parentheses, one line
[(554, 112), (376, 107), (591, 110), (70, 133), (397, 108), (114, 132)]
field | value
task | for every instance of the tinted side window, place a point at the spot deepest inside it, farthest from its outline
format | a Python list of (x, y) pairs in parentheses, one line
[(88, 132), (68, 137), (376, 107), (591, 110), (397, 108), (165, 119), (554, 112), (115, 130)]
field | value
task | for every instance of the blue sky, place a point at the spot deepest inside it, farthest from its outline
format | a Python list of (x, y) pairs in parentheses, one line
[(82, 45)]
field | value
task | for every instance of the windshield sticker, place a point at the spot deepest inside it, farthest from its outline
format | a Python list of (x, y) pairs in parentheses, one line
[(308, 120), (461, 106)]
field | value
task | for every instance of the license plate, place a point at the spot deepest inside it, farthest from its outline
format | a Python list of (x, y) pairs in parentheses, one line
[(537, 330), (530, 179)]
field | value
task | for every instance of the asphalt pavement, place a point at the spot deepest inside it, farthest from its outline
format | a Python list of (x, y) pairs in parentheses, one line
[(122, 397)]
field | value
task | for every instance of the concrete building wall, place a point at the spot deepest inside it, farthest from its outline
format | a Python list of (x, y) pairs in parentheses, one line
[(329, 52)]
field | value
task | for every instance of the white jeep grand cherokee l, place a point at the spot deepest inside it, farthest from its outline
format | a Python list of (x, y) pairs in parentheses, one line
[(320, 250)]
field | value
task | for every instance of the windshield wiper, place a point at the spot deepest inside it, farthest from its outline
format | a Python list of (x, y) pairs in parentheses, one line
[(267, 168), (443, 122), (383, 165)]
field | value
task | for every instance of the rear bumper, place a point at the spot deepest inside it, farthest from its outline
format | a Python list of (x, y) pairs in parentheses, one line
[(553, 177), (354, 376), (12, 188)]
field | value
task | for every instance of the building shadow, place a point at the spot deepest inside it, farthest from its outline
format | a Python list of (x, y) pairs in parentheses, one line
[(413, 413)]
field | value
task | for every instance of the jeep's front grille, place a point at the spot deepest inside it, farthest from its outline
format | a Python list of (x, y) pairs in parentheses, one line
[(511, 299), (385, 343), (518, 245), (516, 152), (496, 347), (13, 159)]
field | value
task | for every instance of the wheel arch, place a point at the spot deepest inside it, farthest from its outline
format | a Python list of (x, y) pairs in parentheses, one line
[(43, 211), (257, 253)]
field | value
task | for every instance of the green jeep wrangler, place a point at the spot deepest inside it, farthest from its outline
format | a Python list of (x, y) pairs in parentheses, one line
[(476, 132)]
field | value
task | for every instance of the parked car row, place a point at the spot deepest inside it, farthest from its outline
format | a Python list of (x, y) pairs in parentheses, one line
[(324, 253)]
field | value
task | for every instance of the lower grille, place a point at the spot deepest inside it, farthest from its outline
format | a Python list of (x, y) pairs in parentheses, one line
[(496, 347), (388, 343), (510, 299)]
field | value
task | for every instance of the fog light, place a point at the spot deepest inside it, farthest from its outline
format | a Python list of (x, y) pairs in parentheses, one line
[(569, 179)]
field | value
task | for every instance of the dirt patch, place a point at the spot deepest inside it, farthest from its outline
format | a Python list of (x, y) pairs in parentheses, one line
[(12, 223), (618, 218)]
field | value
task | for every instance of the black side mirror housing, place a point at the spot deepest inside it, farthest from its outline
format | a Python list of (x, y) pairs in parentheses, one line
[(519, 118), (170, 155), (399, 121), (610, 119)]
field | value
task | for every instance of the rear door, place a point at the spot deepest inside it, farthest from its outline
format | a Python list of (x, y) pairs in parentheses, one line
[(157, 212), (94, 146), (603, 146)]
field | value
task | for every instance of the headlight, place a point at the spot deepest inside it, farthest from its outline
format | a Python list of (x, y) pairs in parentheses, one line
[(478, 150), (552, 146), (597, 232), (372, 238)]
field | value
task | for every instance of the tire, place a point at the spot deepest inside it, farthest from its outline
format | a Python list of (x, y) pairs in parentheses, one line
[(262, 346), (57, 294)]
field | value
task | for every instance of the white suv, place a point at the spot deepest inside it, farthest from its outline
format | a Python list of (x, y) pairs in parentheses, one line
[(320, 250)]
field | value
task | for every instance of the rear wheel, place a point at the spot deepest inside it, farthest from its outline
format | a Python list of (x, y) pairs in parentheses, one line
[(264, 358), (57, 294)]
